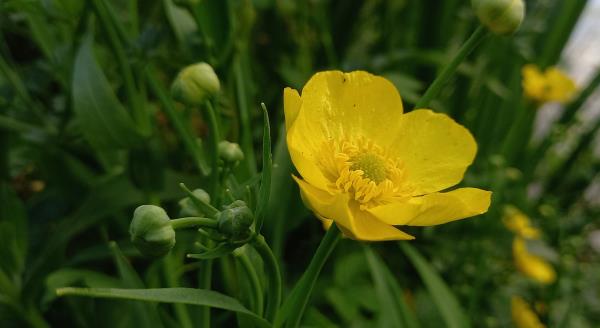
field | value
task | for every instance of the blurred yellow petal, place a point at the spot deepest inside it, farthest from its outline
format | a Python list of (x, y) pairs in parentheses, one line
[(436, 208), (352, 221), (523, 315), (562, 86), (519, 223), (434, 149), (532, 265)]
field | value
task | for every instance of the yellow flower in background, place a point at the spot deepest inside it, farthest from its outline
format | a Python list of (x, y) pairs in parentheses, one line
[(532, 265), (550, 85), (519, 223), (523, 315), (367, 166)]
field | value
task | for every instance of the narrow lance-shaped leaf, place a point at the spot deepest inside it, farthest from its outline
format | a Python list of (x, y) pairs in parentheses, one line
[(442, 296), (170, 295), (102, 118), (389, 293), (265, 181)]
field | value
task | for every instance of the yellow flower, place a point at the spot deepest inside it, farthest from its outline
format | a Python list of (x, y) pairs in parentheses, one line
[(532, 265), (522, 314), (551, 85), (369, 167), (519, 223)]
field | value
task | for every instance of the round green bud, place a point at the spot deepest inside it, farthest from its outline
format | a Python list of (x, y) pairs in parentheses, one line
[(187, 206), (151, 231), (235, 221), (500, 16), (194, 84), (230, 152)]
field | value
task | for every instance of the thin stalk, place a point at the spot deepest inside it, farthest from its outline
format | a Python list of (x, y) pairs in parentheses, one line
[(244, 112), (214, 149), (273, 276), (205, 280), (253, 280), (141, 118), (479, 34), (296, 303), (188, 139), (193, 221)]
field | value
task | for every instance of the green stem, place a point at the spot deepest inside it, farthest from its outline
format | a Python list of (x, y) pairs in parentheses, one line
[(254, 281), (193, 221), (479, 34), (107, 20), (298, 299), (214, 149), (189, 141), (242, 102), (273, 275)]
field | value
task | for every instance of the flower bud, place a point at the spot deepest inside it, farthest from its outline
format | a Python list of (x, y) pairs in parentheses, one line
[(151, 231), (187, 206), (235, 221), (194, 84), (230, 152), (500, 16)]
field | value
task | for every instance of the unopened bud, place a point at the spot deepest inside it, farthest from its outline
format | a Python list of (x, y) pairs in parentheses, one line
[(151, 231), (230, 152), (235, 221), (194, 84), (187, 206), (500, 16)]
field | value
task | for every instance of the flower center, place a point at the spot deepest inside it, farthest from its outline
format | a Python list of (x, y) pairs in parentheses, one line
[(372, 166), (364, 170)]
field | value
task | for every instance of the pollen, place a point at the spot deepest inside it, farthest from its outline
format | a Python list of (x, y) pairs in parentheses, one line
[(364, 170)]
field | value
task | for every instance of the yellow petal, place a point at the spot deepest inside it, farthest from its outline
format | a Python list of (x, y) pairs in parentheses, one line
[(435, 150), (334, 104), (436, 208), (532, 265), (522, 314), (352, 221), (291, 105), (519, 223)]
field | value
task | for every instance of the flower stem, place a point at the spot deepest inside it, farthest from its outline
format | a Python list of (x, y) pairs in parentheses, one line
[(479, 34), (193, 221), (214, 149), (254, 281), (296, 303), (273, 275)]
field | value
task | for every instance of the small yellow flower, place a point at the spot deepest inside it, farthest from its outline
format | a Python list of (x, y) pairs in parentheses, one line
[(523, 315), (532, 265), (519, 223), (369, 167), (551, 85)]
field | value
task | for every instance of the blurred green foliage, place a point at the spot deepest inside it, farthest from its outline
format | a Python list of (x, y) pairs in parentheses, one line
[(88, 132)]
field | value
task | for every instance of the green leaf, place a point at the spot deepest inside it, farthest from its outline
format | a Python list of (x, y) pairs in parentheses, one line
[(13, 232), (445, 301), (391, 301), (265, 181), (189, 296), (70, 277), (102, 118)]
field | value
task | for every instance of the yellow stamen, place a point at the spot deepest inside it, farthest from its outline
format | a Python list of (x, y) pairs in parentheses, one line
[(363, 169)]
